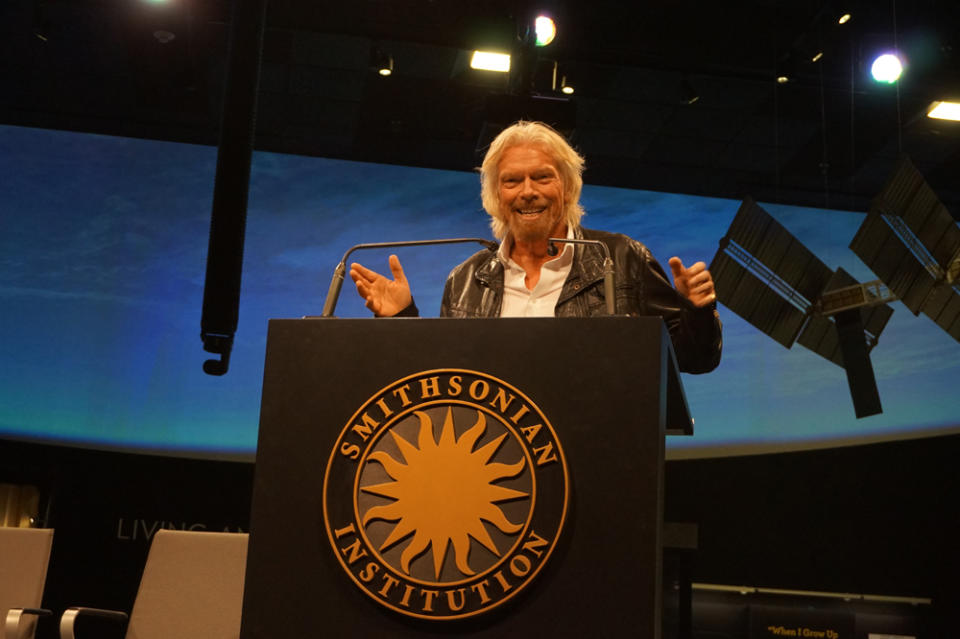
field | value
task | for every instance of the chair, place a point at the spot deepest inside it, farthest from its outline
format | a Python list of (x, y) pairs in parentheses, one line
[(192, 586), (24, 556)]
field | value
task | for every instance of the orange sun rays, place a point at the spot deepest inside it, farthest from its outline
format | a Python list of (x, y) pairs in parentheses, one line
[(443, 493)]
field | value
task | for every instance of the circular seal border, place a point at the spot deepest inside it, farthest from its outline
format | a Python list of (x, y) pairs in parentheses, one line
[(337, 454)]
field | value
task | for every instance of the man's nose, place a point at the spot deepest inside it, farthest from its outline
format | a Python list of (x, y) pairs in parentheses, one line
[(526, 189)]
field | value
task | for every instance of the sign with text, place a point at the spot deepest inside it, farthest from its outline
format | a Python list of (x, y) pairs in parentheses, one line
[(799, 623)]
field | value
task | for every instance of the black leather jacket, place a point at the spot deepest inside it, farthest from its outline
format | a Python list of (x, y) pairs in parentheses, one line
[(475, 289)]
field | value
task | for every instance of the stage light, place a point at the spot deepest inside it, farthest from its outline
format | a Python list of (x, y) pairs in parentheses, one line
[(817, 56), (886, 68), (545, 29), (490, 61), (786, 69), (945, 111), (381, 61), (565, 87), (845, 18)]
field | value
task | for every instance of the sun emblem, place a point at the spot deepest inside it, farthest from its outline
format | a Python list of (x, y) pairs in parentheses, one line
[(444, 492)]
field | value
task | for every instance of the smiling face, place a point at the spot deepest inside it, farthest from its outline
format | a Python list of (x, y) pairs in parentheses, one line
[(531, 194)]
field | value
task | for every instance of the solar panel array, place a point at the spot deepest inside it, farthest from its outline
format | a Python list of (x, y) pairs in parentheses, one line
[(749, 297), (773, 245), (909, 240), (765, 275), (877, 244), (794, 276)]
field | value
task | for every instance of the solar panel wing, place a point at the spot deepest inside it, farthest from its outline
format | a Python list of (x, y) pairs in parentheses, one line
[(752, 299), (775, 247), (910, 241), (875, 319), (908, 196), (899, 189), (820, 334), (749, 226), (891, 260), (944, 246), (943, 307)]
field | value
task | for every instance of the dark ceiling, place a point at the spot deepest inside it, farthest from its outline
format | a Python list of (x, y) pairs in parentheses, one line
[(829, 137)]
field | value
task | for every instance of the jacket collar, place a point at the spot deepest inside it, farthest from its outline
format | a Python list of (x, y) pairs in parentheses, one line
[(588, 261), (587, 268), (490, 271)]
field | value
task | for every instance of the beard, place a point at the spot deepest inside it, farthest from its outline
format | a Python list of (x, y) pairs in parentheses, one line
[(533, 230)]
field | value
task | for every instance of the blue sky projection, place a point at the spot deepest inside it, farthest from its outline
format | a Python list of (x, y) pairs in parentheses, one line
[(103, 250)]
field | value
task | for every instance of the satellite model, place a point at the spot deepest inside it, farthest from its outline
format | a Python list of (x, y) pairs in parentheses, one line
[(765, 275)]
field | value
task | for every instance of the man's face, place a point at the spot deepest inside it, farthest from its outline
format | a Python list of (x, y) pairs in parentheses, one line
[(531, 194)]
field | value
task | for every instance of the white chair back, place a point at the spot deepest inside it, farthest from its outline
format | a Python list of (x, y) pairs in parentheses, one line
[(192, 586), (24, 557)]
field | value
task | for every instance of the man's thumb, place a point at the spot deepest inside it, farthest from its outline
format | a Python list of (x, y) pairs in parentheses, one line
[(676, 266), (396, 269)]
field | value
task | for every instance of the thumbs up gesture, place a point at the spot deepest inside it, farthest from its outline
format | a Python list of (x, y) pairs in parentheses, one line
[(694, 283)]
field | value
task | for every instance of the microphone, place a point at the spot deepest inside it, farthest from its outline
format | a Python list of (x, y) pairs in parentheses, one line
[(608, 277), (333, 294)]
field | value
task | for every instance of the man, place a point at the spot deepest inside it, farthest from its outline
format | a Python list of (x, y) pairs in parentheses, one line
[(530, 185)]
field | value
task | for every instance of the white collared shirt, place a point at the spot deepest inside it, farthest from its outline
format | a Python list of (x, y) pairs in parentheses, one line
[(518, 300)]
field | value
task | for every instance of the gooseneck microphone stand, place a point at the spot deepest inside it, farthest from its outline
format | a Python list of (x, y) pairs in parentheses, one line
[(338, 274)]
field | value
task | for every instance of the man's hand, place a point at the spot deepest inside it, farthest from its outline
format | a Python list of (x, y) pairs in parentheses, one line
[(384, 297), (694, 283)]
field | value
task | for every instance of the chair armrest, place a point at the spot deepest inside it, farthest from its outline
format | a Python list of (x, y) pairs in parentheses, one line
[(12, 629), (70, 615)]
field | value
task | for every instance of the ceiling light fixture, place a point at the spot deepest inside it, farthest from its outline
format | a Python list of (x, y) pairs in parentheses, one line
[(943, 110), (786, 69), (545, 29), (887, 68), (490, 61), (381, 61)]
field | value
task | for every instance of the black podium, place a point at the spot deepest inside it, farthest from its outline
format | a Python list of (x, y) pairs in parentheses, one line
[(487, 478)]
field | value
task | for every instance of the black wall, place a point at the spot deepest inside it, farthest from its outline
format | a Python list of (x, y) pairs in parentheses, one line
[(876, 519)]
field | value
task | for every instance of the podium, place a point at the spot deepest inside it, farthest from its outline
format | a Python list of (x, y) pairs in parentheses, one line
[(465, 477)]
